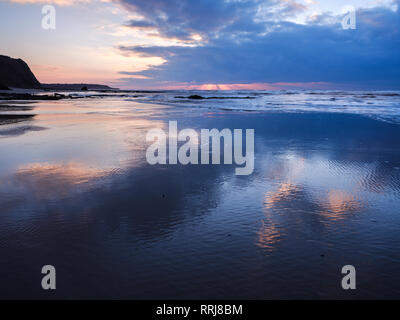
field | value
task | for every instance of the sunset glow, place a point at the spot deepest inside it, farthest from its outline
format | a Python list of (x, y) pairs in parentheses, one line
[(122, 44)]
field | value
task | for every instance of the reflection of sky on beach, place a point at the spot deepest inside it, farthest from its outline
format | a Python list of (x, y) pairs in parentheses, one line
[(320, 196), (300, 178), (76, 133)]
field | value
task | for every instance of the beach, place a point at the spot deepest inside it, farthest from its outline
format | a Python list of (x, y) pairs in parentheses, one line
[(77, 192)]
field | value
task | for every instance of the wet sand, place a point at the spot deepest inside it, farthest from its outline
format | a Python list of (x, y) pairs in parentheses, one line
[(76, 192)]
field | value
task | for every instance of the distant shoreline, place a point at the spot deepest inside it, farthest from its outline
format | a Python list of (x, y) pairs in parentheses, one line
[(75, 86)]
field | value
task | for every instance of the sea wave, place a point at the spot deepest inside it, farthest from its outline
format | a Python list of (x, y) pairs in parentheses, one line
[(381, 105)]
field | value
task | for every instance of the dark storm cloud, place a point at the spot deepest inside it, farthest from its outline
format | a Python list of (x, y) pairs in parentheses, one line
[(181, 18)]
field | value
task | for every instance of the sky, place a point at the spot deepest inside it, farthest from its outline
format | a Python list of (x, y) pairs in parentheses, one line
[(208, 44)]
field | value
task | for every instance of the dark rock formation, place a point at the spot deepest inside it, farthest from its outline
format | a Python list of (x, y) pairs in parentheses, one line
[(195, 97), (28, 96), (16, 73)]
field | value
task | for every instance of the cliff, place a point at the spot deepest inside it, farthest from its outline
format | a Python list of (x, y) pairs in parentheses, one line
[(16, 73)]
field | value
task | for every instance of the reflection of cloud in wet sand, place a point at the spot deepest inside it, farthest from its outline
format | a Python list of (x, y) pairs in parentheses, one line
[(23, 107), (20, 130), (332, 204), (47, 180), (339, 203), (268, 235), (14, 118), (283, 191)]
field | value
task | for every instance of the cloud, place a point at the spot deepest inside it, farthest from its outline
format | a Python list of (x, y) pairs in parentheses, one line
[(244, 42), (182, 18), (240, 50)]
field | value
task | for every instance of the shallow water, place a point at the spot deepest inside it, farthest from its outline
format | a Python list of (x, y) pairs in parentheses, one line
[(382, 105), (77, 193)]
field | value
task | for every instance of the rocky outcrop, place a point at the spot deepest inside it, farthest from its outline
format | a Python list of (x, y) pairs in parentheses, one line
[(15, 73)]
